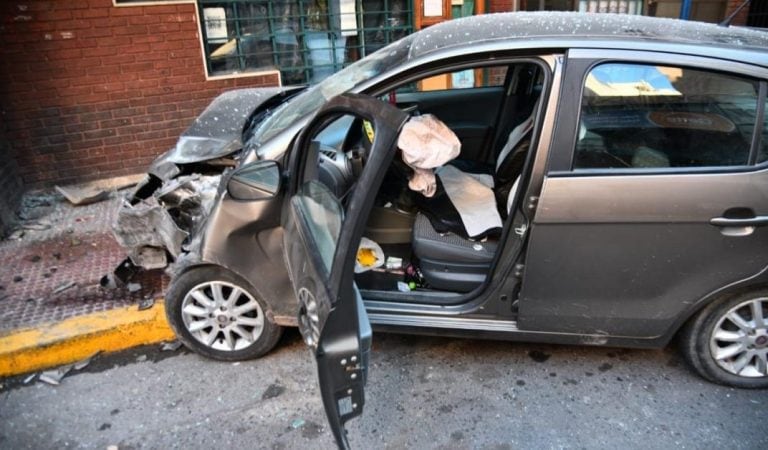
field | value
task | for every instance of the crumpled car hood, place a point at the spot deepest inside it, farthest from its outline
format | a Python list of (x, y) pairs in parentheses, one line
[(217, 131)]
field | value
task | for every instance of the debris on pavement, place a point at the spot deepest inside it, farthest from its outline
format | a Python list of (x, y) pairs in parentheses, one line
[(36, 225), (134, 287), (170, 346), (18, 279), (147, 302), (29, 378), (82, 364), (141, 358), (297, 423), (63, 287), (54, 376), (16, 235), (82, 195)]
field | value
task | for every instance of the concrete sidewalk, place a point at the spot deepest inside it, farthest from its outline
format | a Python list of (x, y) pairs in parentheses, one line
[(52, 309)]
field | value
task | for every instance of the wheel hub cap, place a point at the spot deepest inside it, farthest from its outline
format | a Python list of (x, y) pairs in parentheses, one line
[(222, 316), (739, 340)]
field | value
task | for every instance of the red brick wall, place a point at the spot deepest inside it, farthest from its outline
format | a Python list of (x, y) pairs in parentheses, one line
[(501, 6), (741, 18), (89, 90)]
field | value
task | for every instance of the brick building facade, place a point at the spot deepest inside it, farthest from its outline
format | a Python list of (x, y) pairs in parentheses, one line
[(89, 90)]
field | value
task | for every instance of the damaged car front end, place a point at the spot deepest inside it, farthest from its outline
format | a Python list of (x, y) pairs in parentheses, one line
[(158, 222)]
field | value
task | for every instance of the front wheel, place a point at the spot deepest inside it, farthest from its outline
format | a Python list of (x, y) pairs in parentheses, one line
[(216, 313), (727, 342)]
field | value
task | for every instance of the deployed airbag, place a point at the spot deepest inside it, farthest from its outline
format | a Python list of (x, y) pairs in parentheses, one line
[(427, 143), (472, 196)]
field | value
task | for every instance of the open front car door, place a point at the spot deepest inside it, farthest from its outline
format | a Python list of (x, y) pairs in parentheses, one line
[(323, 225)]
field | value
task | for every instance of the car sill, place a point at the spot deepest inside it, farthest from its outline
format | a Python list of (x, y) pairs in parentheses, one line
[(443, 322)]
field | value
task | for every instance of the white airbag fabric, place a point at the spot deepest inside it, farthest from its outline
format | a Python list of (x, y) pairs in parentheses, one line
[(472, 196), (427, 143)]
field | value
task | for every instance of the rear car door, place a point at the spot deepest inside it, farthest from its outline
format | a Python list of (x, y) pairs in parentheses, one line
[(322, 234), (655, 196)]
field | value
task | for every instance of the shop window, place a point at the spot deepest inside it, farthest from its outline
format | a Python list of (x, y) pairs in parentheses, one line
[(306, 40)]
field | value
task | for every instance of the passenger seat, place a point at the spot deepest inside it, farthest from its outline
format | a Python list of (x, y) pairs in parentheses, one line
[(454, 263)]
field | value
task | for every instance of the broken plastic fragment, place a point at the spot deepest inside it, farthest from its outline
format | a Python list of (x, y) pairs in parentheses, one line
[(54, 376), (82, 364), (146, 302), (64, 287), (170, 346)]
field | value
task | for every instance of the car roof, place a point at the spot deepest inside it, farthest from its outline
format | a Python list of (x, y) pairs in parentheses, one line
[(579, 29)]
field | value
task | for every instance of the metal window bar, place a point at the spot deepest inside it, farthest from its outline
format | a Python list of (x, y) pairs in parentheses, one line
[(268, 34)]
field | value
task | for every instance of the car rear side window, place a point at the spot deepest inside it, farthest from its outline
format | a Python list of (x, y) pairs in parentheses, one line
[(639, 116)]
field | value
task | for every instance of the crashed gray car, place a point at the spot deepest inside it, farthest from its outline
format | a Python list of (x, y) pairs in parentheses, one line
[(611, 189)]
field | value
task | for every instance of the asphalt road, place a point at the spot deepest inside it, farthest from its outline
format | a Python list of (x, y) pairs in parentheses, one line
[(423, 393)]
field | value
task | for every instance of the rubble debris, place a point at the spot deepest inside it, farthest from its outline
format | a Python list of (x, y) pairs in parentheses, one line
[(134, 287), (63, 287), (29, 379), (16, 235), (37, 225), (82, 195), (141, 358), (108, 281), (146, 302), (297, 423), (170, 346), (75, 242), (54, 376), (148, 224), (18, 279), (149, 257), (82, 364)]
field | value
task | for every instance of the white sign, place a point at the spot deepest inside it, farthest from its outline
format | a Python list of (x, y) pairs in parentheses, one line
[(433, 8), (215, 23), (348, 15)]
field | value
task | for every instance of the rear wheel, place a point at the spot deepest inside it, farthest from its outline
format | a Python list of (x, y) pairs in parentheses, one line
[(727, 342), (216, 313)]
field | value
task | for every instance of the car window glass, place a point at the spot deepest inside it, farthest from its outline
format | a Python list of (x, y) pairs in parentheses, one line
[(637, 116), (324, 215), (460, 79)]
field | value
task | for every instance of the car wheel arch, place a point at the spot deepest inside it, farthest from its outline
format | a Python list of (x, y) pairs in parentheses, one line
[(720, 295)]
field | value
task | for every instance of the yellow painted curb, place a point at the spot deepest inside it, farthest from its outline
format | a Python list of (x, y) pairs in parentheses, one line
[(53, 344)]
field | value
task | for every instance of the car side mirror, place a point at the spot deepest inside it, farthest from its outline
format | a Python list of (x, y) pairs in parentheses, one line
[(259, 180)]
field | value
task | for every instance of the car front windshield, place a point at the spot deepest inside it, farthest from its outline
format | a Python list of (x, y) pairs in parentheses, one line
[(310, 100)]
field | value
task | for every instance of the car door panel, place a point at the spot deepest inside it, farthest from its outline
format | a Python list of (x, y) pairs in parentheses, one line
[(628, 255), (629, 251), (320, 245)]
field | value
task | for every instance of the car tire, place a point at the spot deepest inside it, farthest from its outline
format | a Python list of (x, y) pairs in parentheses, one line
[(727, 341), (216, 313)]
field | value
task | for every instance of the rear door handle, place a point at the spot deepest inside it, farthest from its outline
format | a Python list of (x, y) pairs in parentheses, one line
[(757, 221)]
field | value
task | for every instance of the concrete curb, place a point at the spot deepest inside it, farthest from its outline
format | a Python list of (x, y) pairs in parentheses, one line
[(53, 344)]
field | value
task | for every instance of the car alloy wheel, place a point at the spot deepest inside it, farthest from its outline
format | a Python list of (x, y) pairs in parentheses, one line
[(739, 339), (222, 316)]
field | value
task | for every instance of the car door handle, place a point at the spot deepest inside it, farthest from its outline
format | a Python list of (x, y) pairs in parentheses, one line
[(757, 221)]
